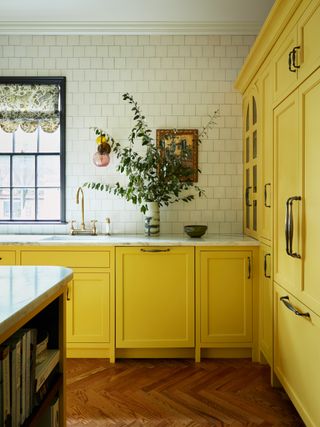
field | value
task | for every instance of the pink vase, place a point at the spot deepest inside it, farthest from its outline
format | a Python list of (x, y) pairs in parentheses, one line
[(101, 160)]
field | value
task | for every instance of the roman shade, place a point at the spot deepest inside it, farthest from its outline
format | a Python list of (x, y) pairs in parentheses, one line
[(29, 106)]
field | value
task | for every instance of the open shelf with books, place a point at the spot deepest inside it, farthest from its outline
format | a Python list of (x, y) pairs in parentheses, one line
[(32, 357)]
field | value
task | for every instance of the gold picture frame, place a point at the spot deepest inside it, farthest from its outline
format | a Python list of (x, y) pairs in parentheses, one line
[(189, 137)]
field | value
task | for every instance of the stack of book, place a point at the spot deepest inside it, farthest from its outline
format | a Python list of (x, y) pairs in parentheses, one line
[(25, 377)]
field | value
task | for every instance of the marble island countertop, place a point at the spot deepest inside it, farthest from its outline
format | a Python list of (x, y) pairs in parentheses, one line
[(128, 240), (24, 289)]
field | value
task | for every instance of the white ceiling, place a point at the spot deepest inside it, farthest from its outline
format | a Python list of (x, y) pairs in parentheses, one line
[(217, 13)]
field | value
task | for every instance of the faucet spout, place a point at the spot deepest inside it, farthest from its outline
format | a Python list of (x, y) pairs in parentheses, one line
[(80, 191)]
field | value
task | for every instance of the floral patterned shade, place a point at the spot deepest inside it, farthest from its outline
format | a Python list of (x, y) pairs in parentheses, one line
[(29, 106)]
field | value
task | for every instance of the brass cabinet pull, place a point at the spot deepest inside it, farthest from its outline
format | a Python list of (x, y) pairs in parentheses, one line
[(290, 62), (265, 195), (155, 250), (294, 51), (247, 196), (68, 293), (267, 276), (289, 227), (249, 267), (286, 302)]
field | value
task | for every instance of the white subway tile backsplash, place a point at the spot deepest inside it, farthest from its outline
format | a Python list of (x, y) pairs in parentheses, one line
[(179, 81)]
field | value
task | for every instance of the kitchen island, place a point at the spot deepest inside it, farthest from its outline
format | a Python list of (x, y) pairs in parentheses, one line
[(33, 298)]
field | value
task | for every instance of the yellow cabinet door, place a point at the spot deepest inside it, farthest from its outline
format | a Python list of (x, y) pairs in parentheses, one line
[(154, 297), (310, 131), (225, 296), (266, 303), (251, 140), (284, 79), (287, 184), (7, 258), (88, 313), (308, 40), (266, 154), (297, 355)]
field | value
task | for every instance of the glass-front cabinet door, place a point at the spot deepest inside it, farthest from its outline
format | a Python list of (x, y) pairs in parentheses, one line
[(251, 152)]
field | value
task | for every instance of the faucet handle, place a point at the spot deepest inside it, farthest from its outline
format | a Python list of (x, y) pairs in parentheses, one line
[(94, 228), (72, 226)]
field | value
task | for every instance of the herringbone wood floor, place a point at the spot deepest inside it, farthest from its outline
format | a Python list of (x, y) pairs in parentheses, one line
[(175, 393)]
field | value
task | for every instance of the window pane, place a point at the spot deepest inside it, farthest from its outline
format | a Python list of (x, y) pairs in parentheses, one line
[(48, 171), (23, 204), (49, 142), (25, 142), (4, 171), (49, 203), (5, 142), (23, 171), (4, 203)]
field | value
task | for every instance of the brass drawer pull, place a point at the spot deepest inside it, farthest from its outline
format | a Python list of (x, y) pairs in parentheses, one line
[(155, 250), (286, 302)]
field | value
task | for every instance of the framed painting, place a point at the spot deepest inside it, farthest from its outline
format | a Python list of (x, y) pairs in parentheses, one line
[(182, 138)]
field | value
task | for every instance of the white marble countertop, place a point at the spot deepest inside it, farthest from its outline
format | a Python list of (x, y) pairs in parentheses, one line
[(128, 240), (23, 289)]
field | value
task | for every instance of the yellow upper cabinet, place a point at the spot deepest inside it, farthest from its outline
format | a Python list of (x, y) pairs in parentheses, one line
[(297, 51), (285, 73), (308, 40), (251, 139), (154, 297)]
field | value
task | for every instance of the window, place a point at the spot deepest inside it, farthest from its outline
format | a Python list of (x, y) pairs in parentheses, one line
[(32, 149)]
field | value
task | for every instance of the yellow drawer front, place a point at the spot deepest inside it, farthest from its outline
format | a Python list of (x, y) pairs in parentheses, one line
[(81, 259), (7, 258), (297, 355)]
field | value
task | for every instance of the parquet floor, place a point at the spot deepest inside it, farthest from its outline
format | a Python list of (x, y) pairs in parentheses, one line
[(174, 393)]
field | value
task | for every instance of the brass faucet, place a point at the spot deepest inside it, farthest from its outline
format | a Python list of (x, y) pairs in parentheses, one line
[(82, 229)]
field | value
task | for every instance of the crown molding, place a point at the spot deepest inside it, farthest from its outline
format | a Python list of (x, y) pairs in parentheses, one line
[(127, 28)]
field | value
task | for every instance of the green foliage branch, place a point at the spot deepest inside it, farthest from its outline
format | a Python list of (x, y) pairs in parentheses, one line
[(160, 175)]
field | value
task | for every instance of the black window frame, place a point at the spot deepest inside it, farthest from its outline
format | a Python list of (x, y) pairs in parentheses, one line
[(61, 81)]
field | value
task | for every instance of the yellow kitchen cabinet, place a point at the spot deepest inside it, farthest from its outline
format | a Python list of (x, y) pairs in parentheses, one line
[(265, 84), (309, 106), (296, 52), (287, 190), (90, 296), (285, 74), (7, 257), (224, 298), (308, 39), (251, 152), (154, 297), (297, 354), (297, 174), (87, 318), (266, 304)]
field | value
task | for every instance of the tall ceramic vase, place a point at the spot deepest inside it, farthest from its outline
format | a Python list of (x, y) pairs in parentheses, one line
[(152, 219)]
